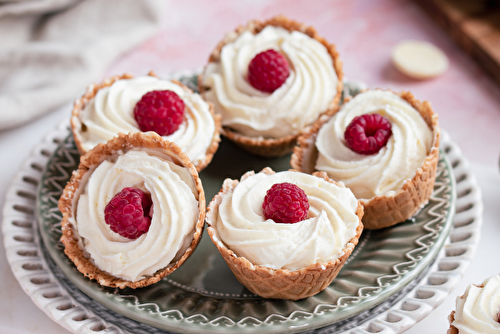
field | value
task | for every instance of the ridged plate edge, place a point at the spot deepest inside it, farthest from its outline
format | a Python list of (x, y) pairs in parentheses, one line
[(24, 253)]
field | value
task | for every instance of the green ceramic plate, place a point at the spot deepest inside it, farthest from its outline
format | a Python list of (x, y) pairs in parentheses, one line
[(204, 296)]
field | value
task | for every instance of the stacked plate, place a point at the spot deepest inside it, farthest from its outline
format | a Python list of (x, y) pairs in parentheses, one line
[(395, 277)]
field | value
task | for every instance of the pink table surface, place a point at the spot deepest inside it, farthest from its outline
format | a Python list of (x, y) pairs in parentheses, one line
[(364, 31)]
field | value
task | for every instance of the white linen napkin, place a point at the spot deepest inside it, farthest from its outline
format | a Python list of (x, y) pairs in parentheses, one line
[(50, 50)]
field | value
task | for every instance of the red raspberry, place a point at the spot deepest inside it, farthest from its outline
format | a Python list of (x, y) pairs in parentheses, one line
[(161, 111), (285, 203), (268, 70), (128, 213), (368, 133)]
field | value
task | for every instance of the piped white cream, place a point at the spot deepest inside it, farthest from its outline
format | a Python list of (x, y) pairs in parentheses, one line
[(175, 213), (307, 92), (331, 223), (478, 309), (112, 111), (387, 170)]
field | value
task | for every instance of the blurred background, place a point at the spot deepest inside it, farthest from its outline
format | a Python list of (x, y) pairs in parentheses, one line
[(51, 50)]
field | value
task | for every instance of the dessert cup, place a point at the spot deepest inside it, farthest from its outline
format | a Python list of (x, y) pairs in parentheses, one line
[(451, 319), (477, 310), (292, 277), (145, 161), (411, 191), (107, 108), (268, 124)]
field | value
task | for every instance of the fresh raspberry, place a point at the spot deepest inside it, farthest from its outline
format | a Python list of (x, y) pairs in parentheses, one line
[(285, 203), (368, 133), (128, 213), (268, 70), (161, 111)]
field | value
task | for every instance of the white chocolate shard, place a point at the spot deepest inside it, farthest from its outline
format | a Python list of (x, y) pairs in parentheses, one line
[(419, 59)]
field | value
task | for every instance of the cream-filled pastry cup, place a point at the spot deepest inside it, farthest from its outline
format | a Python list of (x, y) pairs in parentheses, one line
[(392, 184), (156, 167), (107, 109), (477, 310), (277, 260), (268, 124)]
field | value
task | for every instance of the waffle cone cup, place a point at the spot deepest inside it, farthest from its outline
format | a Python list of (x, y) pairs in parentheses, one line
[(383, 211), (274, 147), (451, 319), (77, 127), (278, 283), (67, 204)]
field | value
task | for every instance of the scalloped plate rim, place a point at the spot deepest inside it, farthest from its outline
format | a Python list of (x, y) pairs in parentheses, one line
[(320, 320)]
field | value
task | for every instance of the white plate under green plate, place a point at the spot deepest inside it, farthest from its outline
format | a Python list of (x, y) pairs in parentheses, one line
[(204, 296), (50, 289)]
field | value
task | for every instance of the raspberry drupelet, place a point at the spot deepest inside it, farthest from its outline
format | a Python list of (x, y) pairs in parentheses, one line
[(368, 133), (268, 70), (161, 111), (128, 213), (285, 203)]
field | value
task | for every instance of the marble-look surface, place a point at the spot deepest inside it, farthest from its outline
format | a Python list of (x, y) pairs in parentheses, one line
[(364, 31)]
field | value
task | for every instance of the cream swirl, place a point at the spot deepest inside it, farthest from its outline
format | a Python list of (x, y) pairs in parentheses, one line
[(477, 310), (112, 111), (307, 92), (387, 170), (175, 213), (331, 222)]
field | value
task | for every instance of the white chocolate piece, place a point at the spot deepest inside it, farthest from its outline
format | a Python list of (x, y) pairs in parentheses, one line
[(419, 60)]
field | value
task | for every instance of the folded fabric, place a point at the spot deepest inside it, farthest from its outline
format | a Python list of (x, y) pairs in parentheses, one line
[(52, 49)]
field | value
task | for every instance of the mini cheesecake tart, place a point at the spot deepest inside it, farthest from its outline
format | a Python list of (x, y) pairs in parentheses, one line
[(268, 123), (477, 310), (107, 108), (394, 183), (284, 260), (161, 171)]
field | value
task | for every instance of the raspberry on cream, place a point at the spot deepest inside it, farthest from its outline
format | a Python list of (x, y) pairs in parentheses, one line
[(285, 203), (368, 133), (128, 212), (321, 237), (161, 111), (477, 309), (175, 213), (307, 92), (268, 70), (111, 111), (387, 170)]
